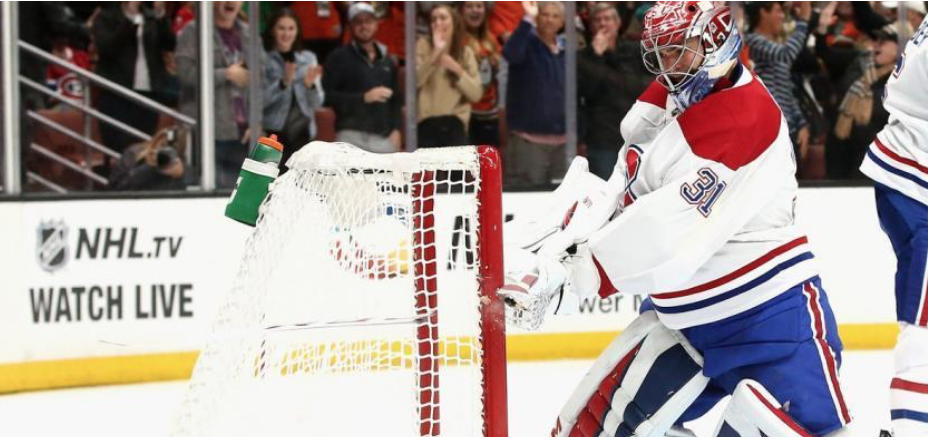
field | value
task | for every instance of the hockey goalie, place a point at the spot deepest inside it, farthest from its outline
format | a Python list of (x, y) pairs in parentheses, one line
[(698, 216)]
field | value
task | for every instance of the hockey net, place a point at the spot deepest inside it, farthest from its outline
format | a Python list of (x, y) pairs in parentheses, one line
[(365, 303)]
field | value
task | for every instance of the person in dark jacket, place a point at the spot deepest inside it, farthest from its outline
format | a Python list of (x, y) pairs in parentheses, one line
[(361, 86), (535, 153), (861, 114), (131, 40), (611, 77)]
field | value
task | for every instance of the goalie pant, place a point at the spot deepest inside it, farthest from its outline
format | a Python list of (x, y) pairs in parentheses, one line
[(707, 230), (898, 162), (790, 345)]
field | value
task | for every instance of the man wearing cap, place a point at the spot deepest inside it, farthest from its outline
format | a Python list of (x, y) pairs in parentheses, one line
[(361, 85)]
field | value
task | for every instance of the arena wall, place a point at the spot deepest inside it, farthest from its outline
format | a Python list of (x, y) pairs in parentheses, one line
[(117, 291)]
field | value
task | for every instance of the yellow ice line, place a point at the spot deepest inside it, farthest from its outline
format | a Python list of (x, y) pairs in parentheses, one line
[(82, 372)]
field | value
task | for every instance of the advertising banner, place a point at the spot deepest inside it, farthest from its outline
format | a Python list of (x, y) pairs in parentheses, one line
[(121, 278)]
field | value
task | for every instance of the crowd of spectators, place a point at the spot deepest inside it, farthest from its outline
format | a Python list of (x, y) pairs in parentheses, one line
[(486, 73)]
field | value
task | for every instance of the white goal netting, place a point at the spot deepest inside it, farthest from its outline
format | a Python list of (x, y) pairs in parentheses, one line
[(357, 308)]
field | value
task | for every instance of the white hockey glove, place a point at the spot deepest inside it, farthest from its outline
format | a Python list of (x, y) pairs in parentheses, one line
[(528, 292), (550, 268), (549, 286)]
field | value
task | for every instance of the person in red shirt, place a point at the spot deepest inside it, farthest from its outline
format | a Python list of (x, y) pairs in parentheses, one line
[(62, 80)]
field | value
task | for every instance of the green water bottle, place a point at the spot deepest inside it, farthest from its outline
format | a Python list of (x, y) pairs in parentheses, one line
[(258, 171)]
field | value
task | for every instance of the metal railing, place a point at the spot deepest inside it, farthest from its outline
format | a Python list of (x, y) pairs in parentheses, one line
[(84, 138), (10, 99)]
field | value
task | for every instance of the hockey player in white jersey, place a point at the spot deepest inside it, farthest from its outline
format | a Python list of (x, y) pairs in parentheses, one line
[(898, 163), (699, 216)]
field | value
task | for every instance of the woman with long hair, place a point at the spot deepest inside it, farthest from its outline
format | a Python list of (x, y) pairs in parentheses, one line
[(292, 84), (446, 80), (484, 120)]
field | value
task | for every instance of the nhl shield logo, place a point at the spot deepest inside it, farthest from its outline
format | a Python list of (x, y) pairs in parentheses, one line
[(52, 245)]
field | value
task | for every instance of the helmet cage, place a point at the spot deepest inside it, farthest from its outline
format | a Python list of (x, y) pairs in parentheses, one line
[(666, 67)]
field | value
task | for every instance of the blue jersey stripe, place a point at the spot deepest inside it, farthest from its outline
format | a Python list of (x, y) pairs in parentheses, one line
[(736, 291), (917, 416)]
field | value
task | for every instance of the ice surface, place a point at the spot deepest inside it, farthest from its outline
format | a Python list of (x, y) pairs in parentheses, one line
[(536, 392)]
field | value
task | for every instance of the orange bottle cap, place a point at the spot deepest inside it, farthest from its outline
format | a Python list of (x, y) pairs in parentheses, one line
[(271, 142)]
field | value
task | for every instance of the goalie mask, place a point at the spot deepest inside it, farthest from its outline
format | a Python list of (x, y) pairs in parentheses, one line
[(689, 46)]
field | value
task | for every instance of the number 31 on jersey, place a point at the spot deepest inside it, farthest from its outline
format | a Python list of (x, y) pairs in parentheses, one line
[(703, 192)]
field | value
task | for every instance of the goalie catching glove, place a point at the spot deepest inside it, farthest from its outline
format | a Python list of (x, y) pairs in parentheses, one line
[(547, 285), (550, 267)]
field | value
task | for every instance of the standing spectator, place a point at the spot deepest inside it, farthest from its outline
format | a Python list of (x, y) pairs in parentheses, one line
[(42, 24), (321, 26), (361, 86), (844, 62), (292, 84), (611, 76), (131, 42), (836, 59), (535, 153), (447, 81), (62, 80), (231, 79), (773, 61), (484, 121), (861, 113)]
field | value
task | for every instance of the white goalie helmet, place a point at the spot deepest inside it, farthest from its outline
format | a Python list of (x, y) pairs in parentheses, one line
[(689, 46)]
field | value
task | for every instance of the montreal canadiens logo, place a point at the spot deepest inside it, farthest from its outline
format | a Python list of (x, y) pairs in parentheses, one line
[(70, 86), (52, 245)]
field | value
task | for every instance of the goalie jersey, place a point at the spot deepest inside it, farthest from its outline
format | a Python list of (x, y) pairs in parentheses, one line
[(898, 157), (706, 226)]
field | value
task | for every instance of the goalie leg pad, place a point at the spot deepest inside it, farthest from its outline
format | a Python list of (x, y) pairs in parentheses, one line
[(909, 388), (753, 412), (640, 385)]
